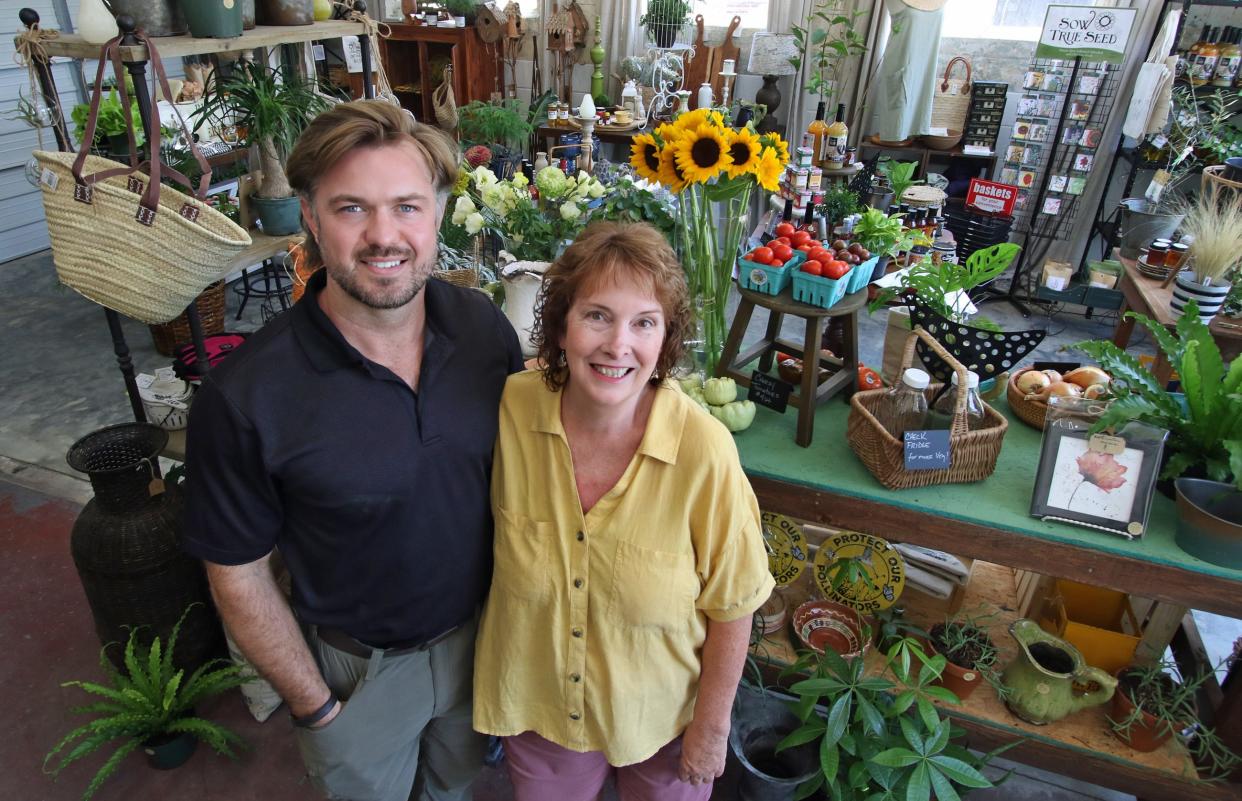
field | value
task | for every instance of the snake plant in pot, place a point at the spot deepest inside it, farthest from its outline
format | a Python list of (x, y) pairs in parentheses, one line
[(149, 706), (1204, 421), (272, 106)]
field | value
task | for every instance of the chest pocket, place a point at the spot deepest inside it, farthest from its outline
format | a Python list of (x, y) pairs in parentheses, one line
[(653, 589), (523, 553)]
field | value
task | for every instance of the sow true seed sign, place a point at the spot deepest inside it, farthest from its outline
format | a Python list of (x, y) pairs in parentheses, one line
[(1092, 34)]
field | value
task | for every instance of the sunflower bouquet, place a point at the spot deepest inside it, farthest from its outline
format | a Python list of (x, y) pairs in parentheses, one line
[(529, 229), (713, 169)]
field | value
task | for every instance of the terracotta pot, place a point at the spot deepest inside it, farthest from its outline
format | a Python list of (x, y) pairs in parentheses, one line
[(826, 625), (1145, 735), (286, 12), (959, 680)]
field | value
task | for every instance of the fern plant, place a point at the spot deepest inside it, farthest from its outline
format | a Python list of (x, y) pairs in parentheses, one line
[(1205, 431), (151, 698)]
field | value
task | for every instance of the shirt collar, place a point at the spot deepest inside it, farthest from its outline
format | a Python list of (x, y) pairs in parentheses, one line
[(665, 423)]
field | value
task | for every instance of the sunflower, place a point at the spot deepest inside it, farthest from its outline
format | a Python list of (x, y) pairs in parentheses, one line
[(668, 132), (670, 174), (744, 149), (768, 170), (702, 153), (693, 119), (775, 141), (645, 156)]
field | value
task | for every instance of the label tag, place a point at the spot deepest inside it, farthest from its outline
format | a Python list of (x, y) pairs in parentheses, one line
[(190, 212), (145, 216), (134, 184), (768, 391), (49, 179), (156, 487), (82, 193), (927, 450), (1106, 443)]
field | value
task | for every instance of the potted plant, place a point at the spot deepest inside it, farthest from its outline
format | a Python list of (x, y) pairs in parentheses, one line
[(500, 126), (111, 127), (467, 9), (272, 106), (1215, 223), (664, 19), (839, 203), (149, 706), (881, 736), (825, 40), (899, 175), (1154, 702), (1204, 423), (970, 655), (883, 235)]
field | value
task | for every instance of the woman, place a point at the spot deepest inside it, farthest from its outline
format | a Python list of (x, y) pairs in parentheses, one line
[(628, 554)]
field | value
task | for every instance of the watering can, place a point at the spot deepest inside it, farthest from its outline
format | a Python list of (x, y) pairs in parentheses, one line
[(1047, 679)]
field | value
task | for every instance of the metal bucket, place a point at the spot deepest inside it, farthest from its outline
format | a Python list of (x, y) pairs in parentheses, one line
[(760, 722), (1140, 224), (156, 17)]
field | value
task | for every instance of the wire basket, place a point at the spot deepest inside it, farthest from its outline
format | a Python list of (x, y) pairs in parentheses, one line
[(972, 453)]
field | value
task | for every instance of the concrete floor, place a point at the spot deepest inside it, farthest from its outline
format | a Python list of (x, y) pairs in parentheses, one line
[(59, 383)]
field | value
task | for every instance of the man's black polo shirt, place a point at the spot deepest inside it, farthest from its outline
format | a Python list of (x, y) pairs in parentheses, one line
[(377, 496)]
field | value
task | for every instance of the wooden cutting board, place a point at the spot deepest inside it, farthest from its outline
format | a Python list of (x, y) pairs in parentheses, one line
[(726, 49), (699, 65)]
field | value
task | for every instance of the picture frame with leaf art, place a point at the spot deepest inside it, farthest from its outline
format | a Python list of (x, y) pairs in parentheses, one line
[(1101, 481)]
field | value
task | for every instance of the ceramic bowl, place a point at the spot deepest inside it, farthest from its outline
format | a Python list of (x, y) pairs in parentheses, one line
[(821, 625)]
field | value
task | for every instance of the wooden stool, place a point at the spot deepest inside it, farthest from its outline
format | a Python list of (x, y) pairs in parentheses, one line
[(808, 396)]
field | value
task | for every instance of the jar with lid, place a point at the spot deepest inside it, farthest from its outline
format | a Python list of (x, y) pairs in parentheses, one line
[(941, 414), (904, 407), (1179, 252), (1156, 253)]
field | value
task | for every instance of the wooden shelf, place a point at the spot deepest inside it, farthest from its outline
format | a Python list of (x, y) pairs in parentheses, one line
[(1080, 745), (72, 46)]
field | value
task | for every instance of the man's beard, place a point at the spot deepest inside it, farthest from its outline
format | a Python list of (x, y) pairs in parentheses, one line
[(395, 295)]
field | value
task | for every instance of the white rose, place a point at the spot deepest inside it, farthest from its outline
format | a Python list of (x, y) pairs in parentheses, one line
[(464, 207), (474, 223), (570, 211)]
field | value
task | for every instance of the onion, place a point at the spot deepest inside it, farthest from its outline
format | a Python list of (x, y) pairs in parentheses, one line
[(1095, 391), (1059, 389), (1053, 376), (1032, 381), (1087, 376)]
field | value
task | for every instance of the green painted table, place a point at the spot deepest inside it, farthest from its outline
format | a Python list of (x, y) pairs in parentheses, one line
[(989, 520)]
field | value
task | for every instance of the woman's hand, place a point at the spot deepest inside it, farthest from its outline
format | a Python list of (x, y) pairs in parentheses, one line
[(702, 753)]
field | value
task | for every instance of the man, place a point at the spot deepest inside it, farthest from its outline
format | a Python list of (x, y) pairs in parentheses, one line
[(355, 434)]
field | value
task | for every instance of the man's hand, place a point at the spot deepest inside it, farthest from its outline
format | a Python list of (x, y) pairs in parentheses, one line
[(702, 753)]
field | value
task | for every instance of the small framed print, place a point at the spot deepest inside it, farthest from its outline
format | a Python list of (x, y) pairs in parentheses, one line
[(1102, 481), (1052, 205), (1014, 154), (1089, 84), (1031, 154), (1090, 138), (1079, 109), (1083, 162), (1053, 82), (1026, 179), (1009, 175), (1071, 134), (1057, 183), (1022, 130), (1033, 80), (1038, 133), (1076, 186)]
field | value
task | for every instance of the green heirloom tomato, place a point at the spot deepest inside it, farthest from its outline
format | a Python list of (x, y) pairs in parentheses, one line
[(720, 391), (737, 416)]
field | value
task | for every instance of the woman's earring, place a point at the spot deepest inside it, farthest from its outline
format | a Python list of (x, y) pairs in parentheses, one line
[(561, 361)]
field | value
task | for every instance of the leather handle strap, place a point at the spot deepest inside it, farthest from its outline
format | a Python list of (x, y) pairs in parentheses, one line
[(944, 83)]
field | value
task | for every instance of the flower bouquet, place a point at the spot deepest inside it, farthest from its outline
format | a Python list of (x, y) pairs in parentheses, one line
[(712, 168)]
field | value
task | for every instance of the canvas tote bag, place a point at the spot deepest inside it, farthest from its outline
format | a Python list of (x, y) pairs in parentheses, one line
[(121, 239), (952, 99)]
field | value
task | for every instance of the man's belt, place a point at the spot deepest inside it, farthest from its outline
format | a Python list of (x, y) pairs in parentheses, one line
[(341, 641)]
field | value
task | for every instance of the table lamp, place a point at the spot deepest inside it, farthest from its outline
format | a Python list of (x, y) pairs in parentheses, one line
[(586, 118), (769, 57)]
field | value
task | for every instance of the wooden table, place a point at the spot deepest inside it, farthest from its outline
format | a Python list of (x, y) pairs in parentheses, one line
[(989, 521), (1148, 296)]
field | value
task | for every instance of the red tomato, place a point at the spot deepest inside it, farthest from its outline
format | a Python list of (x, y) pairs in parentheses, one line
[(806, 248), (785, 229), (784, 240), (781, 251), (819, 254), (814, 242), (762, 254), (835, 269), (799, 237), (812, 266)]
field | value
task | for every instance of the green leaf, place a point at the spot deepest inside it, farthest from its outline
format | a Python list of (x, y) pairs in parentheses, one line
[(939, 739), (801, 735), (818, 36), (1234, 447), (960, 772), (912, 735), (928, 713), (809, 787), (829, 758), (896, 758), (870, 715), (942, 694), (818, 687), (838, 718), (941, 786), (919, 788)]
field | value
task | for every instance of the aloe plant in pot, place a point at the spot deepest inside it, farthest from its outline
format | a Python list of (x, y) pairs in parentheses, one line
[(273, 106)]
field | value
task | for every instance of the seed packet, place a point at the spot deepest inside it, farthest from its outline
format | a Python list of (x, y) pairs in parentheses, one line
[(1028, 106), (1021, 200), (1079, 109), (1057, 183), (1014, 154), (1026, 179), (1071, 134), (1022, 129), (1009, 175), (1083, 162), (1033, 80), (1032, 154), (1052, 205), (1090, 137), (1039, 132), (1089, 84), (1053, 82), (1076, 186)]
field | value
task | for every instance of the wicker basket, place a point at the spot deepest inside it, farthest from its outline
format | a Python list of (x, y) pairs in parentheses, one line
[(923, 197), (1032, 412), (972, 453), (464, 277), (210, 310), (1214, 180)]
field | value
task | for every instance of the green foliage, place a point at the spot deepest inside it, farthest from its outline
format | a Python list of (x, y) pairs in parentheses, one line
[(111, 120), (881, 737), (626, 202), (269, 104), (665, 12), (963, 635), (900, 176), (839, 203), (1160, 690), (932, 283), (461, 8), (503, 123), (151, 698), (1207, 430), (825, 40), (879, 232)]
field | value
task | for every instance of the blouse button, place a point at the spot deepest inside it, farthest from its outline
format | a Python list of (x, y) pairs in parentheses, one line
[(581, 536), (577, 632), (578, 583), (575, 677), (574, 716)]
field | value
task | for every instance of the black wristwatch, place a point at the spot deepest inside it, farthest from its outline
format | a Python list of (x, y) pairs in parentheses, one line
[(316, 716)]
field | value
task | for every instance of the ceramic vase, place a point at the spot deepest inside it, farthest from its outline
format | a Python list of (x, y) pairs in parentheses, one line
[(1045, 675), (1210, 297), (522, 280), (95, 24)]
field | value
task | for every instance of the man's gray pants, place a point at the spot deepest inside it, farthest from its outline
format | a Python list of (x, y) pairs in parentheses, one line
[(405, 729)]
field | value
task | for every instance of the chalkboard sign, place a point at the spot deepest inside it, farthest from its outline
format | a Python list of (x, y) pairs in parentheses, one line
[(927, 450), (769, 391)]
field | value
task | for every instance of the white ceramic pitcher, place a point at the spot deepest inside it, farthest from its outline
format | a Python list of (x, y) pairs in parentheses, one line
[(522, 280)]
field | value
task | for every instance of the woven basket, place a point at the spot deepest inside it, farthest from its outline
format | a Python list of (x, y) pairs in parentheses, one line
[(923, 197), (466, 277), (210, 310), (952, 99), (1214, 180), (1031, 412), (972, 453)]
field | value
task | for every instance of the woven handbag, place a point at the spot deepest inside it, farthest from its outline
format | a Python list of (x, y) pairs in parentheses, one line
[(951, 102), (119, 237), (445, 102), (973, 453)]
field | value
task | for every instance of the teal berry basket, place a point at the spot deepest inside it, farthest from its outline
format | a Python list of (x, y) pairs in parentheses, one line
[(860, 276), (819, 291), (765, 278)]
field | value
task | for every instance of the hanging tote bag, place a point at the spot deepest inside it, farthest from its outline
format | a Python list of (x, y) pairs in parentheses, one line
[(952, 99), (121, 239), (445, 102)]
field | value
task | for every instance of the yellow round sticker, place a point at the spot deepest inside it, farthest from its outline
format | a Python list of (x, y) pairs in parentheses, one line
[(786, 547), (883, 573)]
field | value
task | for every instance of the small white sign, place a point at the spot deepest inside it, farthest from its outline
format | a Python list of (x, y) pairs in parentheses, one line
[(1092, 34), (353, 53)]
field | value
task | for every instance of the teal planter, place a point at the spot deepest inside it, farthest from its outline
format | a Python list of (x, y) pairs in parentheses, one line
[(278, 216), (1209, 521), (213, 19)]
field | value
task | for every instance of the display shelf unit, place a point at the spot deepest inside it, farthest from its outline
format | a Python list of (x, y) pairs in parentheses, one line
[(989, 521), (926, 155), (411, 53), (70, 45)]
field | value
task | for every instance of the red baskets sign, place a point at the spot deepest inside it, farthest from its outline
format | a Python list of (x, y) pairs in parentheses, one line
[(990, 197)]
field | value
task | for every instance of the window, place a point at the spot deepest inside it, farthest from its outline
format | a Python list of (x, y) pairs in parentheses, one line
[(1020, 20), (719, 13)]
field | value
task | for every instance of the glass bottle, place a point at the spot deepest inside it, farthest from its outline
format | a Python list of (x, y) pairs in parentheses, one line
[(1192, 53), (838, 138), (808, 222), (1229, 60), (941, 415), (904, 407), (1205, 61), (817, 130)]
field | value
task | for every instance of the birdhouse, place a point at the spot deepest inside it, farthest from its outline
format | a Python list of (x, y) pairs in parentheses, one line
[(515, 28), (490, 21), (568, 29)]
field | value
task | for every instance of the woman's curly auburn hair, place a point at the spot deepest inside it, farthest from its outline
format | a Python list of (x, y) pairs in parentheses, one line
[(612, 252)]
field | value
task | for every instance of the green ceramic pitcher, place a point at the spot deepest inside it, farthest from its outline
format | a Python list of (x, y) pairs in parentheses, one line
[(1046, 677)]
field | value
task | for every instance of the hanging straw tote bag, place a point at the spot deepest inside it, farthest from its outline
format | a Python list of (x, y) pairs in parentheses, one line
[(950, 105), (121, 239), (445, 102)]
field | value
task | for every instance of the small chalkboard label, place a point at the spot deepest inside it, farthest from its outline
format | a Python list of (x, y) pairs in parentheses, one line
[(769, 391), (926, 450)]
